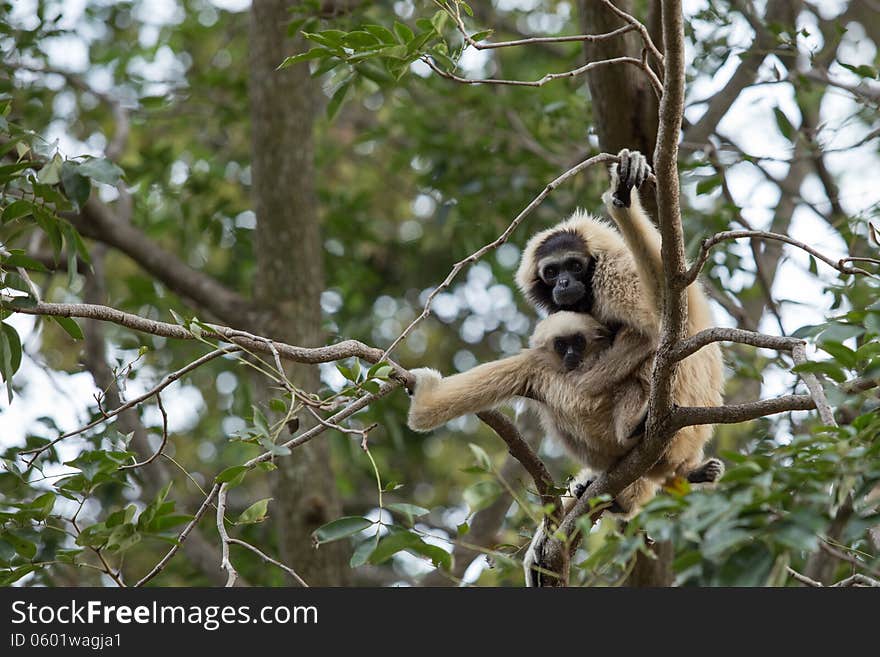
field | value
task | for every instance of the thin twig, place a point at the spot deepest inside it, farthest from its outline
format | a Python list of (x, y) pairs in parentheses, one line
[(164, 383), (643, 31), (549, 77), (857, 580), (692, 273), (158, 452), (798, 353), (159, 567), (225, 563), (844, 556), (290, 571), (523, 452), (699, 340), (601, 158), (803, 579)]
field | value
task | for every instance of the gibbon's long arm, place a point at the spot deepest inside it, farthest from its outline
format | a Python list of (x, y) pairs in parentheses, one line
[(643, 238), (624, 206), (437, 400)]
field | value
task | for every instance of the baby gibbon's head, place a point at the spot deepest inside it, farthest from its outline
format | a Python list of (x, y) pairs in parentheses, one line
[(570, 336)]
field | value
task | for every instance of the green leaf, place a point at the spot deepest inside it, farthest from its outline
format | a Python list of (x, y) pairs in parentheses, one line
[(70, 326), (50, 173), (10, 355), (361, 40), (340, 528), (482, 458), (480, 36), (8, 171), (404, 33), (438, 556), (314, 53), (21, 545), (382, 33), (260, 421), (100, 170), (361, 554), (256, 512), (43, 505), (329, 38), (838, 332), (439, 20), (338, 97), (392, 544), (784, 125), (409, 510), (277, 405), (808, 330), (76, 186), (16, 210), (842, 354), (21, 260), (7, 578), (707, 185), (828, 368), (232, 475), (14, 346), (122, 538), (862, 70)]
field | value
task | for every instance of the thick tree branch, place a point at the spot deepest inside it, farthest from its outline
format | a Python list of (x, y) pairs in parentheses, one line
[(338, 351), (523, 452)]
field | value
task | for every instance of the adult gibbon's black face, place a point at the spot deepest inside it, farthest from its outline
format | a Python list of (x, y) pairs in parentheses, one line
[(564, 276), (570, 349)]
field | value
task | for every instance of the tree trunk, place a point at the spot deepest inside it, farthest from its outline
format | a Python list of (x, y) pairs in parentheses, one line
[(625, 115), (290, 275)]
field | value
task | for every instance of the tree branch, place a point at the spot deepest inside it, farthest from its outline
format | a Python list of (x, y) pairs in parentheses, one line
[(225, 563), (840, 265), (549, 77), (523, 452), (658, 429), (484, 45), (643, 31), (265, 557)]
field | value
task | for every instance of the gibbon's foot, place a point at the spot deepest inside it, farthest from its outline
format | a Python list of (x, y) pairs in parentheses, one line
[(708, 473), (631, 171), (580, 489)]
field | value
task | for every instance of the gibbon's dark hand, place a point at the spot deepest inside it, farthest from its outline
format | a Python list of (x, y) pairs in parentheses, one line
[(631, 171)]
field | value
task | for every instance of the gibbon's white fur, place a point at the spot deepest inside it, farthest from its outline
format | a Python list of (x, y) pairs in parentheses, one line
[(597, 424), (625, 285)]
